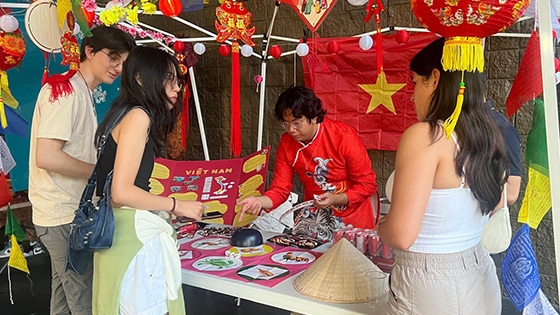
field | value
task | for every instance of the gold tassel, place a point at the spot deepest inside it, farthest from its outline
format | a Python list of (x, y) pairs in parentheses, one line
[(450, 122), (9, 99), (463, 54)]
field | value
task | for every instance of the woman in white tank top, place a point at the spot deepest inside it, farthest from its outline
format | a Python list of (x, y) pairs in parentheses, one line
[(443, 192)]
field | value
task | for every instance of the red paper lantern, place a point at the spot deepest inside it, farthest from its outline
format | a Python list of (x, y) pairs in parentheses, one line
[(402, 37), (225, 50), (556, 64), (12, 49), (275, 51), (170, 7), (464, 23), (333, 47), (178, 46), (89, 17)]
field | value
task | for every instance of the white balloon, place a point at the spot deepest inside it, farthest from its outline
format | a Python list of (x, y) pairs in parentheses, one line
[(246, 50), (76, 28), (302, 49), (357, 2), (8, 23), (199, 48), (366, 42)]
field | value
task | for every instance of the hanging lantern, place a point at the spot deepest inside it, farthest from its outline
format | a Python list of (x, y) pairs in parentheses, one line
[(178, 46), (12, 51), (402, 37), (225, 50), (199, 48), (302, 49), (89, 15), (8, 23), (170, 8), (366, 42), (275, 51), (246, 50), (464, 24), (357, 2)]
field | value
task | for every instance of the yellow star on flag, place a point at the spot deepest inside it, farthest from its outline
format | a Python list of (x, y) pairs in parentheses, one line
[(381, 93)]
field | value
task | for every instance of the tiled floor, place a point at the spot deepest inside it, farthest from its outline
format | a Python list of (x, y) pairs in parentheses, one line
[(198, 301)]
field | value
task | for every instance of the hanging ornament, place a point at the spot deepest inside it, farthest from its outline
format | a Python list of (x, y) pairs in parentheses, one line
[(333, 47), (178, 46), (313, 12), (258, 80), (170, 8), (72, 7), (76, 29), (302, 49), (89, 15), (556, 64), (464, 24), (8, 23), (366, 42), (12, 51), (233, 22), (225, 50), (357, 2), (402, 37), (275, 51), (199, 48), (246, 50)]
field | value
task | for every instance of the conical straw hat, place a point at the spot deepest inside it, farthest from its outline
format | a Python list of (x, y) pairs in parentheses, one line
[(339, 276)]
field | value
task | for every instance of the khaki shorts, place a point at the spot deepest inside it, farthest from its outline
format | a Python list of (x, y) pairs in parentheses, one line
[(459, 283)]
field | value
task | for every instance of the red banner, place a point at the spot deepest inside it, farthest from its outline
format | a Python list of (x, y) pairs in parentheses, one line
[(377, 105)]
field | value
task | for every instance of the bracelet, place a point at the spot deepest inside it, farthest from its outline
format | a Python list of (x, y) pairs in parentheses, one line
[(174, 204)]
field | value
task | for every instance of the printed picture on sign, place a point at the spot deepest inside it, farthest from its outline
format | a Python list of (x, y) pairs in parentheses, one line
[(293, 258), (211, 243), (262, 272), (252, 251), (217, 263)]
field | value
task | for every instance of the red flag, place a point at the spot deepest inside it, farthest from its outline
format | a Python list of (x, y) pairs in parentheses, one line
[(377, 105), (528, 80)]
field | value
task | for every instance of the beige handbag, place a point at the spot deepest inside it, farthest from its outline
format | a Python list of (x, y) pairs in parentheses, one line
[(497, 232)]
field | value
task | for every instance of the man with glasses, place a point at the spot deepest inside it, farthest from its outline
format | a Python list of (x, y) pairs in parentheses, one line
[(62, 157), (328, 156)]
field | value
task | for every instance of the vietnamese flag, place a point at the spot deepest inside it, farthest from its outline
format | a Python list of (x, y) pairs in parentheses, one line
[(377, 104)]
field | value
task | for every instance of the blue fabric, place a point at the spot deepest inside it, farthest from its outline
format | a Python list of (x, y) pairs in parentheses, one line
[(16, 125), (511, 137)]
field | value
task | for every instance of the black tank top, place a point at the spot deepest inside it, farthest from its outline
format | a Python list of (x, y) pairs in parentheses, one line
[(107, 161)]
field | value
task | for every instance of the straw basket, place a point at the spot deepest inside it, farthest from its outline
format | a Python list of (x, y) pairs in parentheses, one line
[(339, 276)]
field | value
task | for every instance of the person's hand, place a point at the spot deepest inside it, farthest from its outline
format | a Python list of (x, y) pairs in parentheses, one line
[(249, 205), (326, 200), (190, 209)]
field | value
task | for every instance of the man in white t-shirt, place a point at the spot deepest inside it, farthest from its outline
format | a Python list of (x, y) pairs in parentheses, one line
[(62, 157)]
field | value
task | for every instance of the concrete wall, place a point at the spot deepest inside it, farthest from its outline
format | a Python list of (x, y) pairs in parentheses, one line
[(213, 73)]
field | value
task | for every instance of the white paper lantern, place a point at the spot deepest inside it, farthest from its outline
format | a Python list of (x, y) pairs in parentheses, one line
[(357, 2), (199, 48), (8, 23), (302, 49), (246, 50), (366, 42), (76, 28)]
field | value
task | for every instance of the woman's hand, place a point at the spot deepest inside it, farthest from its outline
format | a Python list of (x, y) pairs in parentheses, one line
[(190, 209), (327, 199), (249, 205)]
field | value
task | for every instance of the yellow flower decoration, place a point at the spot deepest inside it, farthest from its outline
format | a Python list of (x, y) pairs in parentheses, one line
[(148, 7), (112, 16), (132, 14)]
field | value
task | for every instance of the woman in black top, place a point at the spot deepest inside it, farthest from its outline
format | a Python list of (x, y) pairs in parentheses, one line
[(141, 271)]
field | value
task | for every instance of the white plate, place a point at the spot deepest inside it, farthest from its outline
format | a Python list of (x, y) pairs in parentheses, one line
[(217, 263), (211, 243), (293, 258)]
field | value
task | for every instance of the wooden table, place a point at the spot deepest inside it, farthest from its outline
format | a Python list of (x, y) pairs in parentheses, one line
[(282, 296)]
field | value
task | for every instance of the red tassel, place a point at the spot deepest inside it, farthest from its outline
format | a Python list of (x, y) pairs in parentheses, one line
[(46, 71), (235, 142), (379, 51), (60, 85), (185, 115)]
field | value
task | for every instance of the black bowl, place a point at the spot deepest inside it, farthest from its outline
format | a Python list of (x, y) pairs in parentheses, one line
[(246, 238)]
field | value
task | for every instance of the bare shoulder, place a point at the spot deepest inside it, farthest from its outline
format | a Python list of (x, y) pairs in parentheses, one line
[(417, 134), (136, 121)]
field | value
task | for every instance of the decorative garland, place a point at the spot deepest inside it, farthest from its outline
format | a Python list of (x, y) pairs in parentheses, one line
[(137, 31)]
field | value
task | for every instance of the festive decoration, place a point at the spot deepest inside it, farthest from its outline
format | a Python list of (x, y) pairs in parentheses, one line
[(379, 110), (528, 80), (72, 9), (556, 64), (170, 8), (12, 50), (16, 233), (275, 51), (357, 2), (89, 16), (233, 21), (116, 12), (178, 46), (8, 23), (333, 47), (258, 80), (313, 12), (302, 49), (246, 50), (224, 50), (402, 37), (464, 24), (199, 48), (366, 42)]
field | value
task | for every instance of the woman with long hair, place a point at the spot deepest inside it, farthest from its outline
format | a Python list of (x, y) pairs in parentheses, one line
[(141, 272), (444, 191)]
